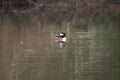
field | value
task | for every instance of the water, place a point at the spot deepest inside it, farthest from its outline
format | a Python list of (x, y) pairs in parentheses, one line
[(30, 53)]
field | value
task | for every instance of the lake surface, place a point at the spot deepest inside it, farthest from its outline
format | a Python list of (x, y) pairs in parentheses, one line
[(30, 52)]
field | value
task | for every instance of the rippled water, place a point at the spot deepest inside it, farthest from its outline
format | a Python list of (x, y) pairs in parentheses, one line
[(30, 53)]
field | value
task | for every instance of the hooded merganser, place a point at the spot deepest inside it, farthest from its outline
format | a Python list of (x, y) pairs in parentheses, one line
[(61, 37)]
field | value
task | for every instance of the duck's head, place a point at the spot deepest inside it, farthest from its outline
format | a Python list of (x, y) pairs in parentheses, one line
[(62, 34)]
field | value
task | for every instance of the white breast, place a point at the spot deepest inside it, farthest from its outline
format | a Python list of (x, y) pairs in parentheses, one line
[(64, 39)]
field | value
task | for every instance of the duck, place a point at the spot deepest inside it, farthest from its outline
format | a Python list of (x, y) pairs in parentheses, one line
[(61, 38)]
